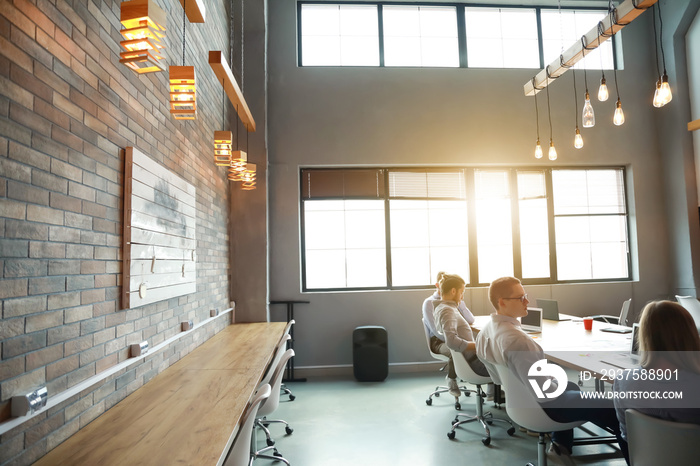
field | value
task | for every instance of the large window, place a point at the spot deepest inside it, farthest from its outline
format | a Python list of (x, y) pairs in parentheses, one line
[(388, 228), (443, 35)]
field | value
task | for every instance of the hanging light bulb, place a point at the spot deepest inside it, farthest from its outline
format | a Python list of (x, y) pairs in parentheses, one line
[(552, 151), (578, 140), (665, 95), (619, 117), (603, 93), (657, 95), (588, 114), (538, 150)]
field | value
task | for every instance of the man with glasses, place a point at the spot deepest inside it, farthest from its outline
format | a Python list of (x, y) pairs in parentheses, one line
[(502, 342)]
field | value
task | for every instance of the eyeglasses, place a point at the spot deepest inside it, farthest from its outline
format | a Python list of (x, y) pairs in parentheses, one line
[(522, 298)]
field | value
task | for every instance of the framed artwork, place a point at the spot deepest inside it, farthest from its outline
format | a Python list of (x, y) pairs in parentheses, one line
[(159, 257)]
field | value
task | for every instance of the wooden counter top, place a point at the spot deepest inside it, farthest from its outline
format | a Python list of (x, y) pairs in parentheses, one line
[(187, 414)]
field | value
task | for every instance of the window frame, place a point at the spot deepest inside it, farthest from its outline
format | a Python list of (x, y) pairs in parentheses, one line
[(470, 186), (463, 59)]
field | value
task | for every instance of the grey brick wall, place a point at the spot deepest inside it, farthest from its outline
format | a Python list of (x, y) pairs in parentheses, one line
[(67, 109)]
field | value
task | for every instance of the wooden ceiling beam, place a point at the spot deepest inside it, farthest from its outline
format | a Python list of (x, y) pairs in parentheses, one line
[(223, 72)]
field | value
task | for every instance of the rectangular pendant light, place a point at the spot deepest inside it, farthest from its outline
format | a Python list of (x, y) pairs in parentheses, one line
[(239, 160), (248, 177), (223, 143), (183, 105), (144, 30)]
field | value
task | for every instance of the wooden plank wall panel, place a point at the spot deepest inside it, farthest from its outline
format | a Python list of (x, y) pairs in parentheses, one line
[(160, 224)]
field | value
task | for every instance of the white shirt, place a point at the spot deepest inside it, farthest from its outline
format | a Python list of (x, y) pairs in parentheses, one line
[(502, 342), (428, 310), (450, 323)]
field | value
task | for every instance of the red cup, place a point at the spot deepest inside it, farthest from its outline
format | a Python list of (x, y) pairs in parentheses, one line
[(588, 323)]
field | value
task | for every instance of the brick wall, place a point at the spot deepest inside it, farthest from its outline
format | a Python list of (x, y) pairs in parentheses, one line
[(67, 108)]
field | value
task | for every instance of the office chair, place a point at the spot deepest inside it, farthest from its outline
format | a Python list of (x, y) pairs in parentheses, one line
[(269, 406), (440, 357), (241, 452), (523, 408), (623, 318), (466, 373), (692, 305), (283, 387), (654, 441)]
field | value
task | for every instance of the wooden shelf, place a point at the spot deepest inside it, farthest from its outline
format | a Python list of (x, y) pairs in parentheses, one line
[(694, 125), (195, 10), (223, 73)]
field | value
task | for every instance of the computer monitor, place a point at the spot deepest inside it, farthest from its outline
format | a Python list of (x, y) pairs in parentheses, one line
[(550, 308), (532, 322)]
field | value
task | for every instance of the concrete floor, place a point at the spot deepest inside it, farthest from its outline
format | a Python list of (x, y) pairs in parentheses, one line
[(338, 421)]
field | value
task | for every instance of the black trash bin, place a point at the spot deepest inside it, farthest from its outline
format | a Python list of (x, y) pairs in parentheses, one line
[(370, 353)]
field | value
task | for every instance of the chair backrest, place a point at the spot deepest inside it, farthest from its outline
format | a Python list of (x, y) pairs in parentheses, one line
[(271, 403), (654, 441), (288, 328), (523, 408), (693, 306), (240, 453), (465, 372), (438, 356), (279, 351), (624, 313)]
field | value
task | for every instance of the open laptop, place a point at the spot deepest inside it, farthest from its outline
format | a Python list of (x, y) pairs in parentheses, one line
[(532, 322), (550, 309), (630, 358)]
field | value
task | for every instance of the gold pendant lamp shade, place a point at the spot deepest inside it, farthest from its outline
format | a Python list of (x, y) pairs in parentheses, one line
[(223, 144), (144, 29), (248, 177), (183, 105), (239, 160)]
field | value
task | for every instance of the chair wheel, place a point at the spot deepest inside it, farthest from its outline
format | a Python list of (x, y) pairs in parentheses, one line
[(486, 441), (276, 453), (437, 394), (429, 402), (511, 431), (451, 435), (489, 423), (270, 442), (467, 393), (292, 397), (457, 405), (289, 430), (455, 421)]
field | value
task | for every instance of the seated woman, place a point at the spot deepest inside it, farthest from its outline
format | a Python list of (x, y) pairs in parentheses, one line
[(670, 346)]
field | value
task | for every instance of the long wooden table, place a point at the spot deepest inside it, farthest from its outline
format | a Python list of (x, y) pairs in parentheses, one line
[(188, 414)]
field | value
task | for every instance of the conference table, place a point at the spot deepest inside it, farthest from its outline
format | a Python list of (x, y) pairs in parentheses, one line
[(593, 353)]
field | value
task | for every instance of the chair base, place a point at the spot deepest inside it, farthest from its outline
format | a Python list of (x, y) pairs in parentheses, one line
[(483, 417), (287, 391), (442, 389), (276, 455), (263, 423)]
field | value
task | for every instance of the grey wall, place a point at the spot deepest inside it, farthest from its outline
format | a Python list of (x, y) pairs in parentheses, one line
[(399, 117)]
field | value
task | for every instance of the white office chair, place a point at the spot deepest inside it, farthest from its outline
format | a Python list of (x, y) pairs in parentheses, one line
[(623, 318), (241, 452), (440, 357), (268, 407), (692, 305), (523, 408), (466, 373), (283, 387), (654, 441)]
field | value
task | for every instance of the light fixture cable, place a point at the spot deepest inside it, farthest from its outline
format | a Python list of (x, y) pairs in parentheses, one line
[(552, 150), (538, 146)]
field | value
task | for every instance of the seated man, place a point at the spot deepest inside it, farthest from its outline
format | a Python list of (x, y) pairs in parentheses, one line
[(502, 342), (450, 322), (437, 340)]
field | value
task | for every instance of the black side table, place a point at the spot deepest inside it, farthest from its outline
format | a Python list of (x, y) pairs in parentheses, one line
[(290, 316)]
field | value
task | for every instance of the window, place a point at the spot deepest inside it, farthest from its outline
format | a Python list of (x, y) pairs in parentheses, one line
[(420, 36), (388, 228), (502, 38), (444, 35), (339, 35)]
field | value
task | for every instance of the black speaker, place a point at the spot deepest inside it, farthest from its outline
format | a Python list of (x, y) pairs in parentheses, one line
[(370, 353)]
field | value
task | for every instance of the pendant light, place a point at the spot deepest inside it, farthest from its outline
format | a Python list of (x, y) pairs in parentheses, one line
[(552, 149), (144, 31), (538, 147), (603, 93), (588, 116), (578, 140), (662, 94), (619, 115), (183, 84)]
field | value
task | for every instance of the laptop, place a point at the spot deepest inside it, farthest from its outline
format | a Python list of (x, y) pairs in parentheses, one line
[(532, 322), (550, 309), (630, 358)]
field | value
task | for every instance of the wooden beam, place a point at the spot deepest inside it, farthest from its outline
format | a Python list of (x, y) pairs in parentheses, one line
[(625, 13), (223, 72), (694, 125), (195, 11)]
